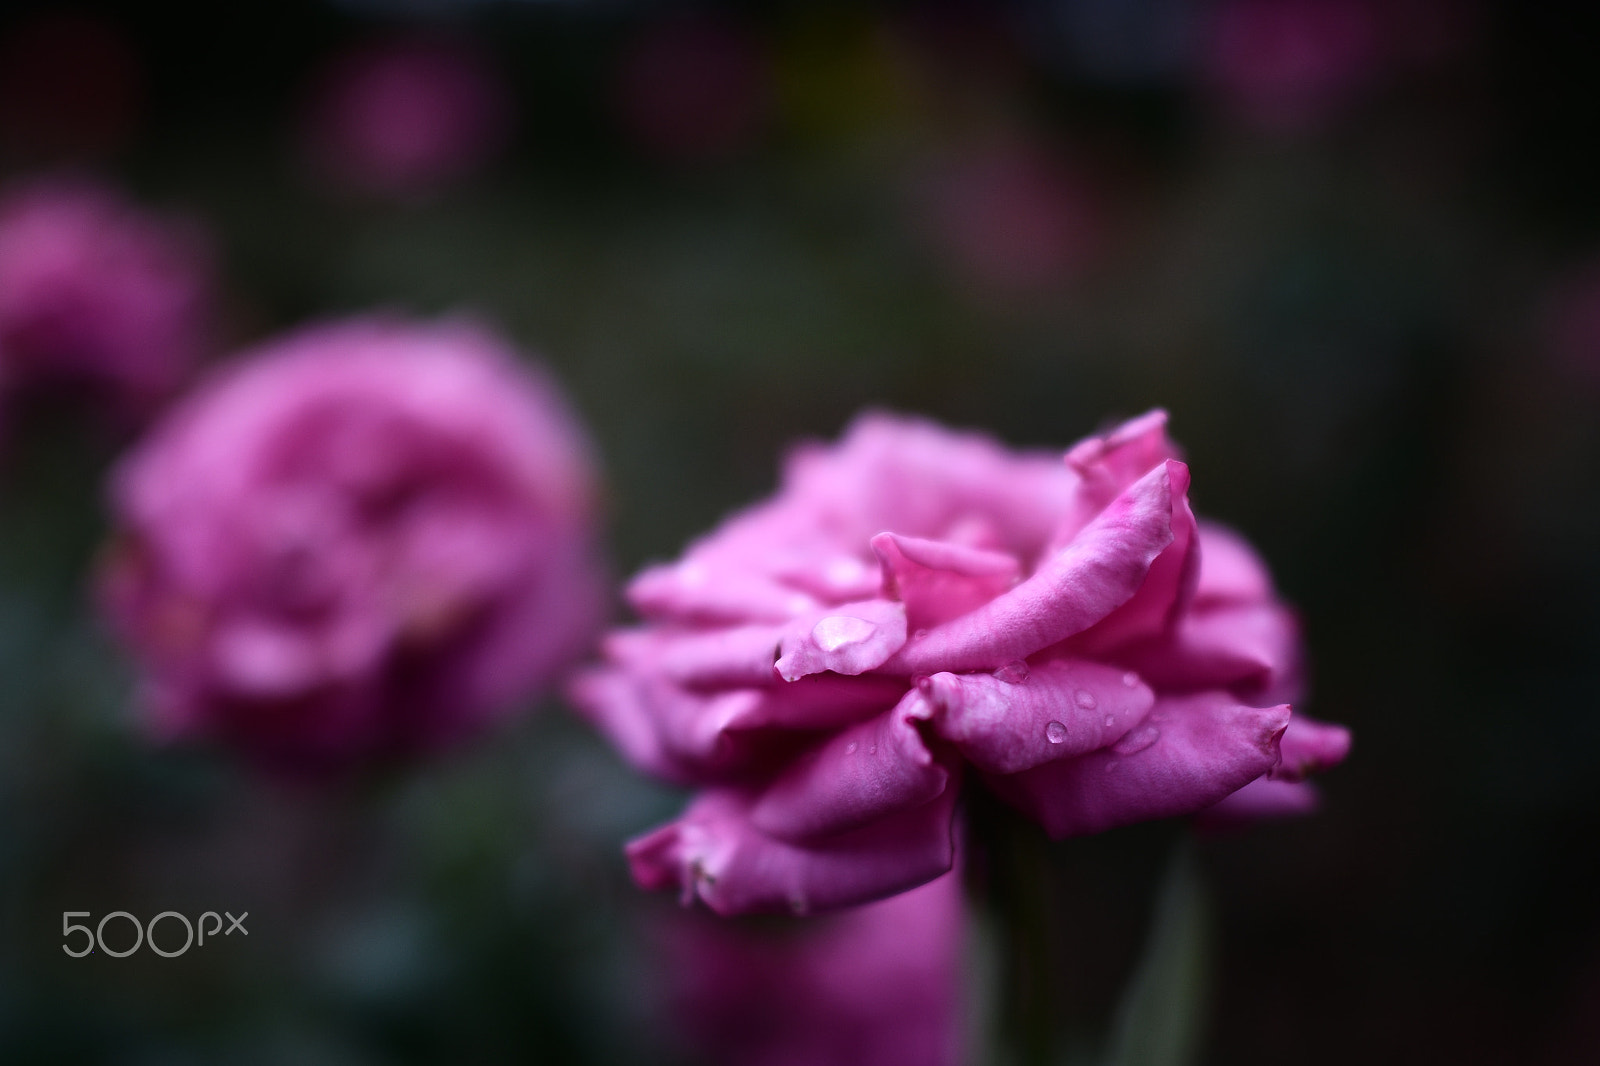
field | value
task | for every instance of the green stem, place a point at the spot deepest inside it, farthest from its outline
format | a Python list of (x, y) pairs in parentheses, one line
[(1016, 882)]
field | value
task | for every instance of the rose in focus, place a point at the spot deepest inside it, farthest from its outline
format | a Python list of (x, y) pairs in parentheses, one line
[(915, 605), (365, 539), (99, 295)]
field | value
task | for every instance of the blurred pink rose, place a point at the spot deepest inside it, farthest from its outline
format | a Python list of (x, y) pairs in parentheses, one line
[(879, 985), (1284, 65), (1288, 66), (365, 538), (915, 604), (96, 293), (403, 118)]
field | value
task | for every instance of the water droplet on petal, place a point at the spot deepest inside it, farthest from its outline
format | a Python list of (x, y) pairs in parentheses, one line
[(1085, 699), (1056, 733), (1111, 720), (1013, 673), (872, 749), (838, 630), (919, 634), (851, 748), (1136, 741), (1130, 679)]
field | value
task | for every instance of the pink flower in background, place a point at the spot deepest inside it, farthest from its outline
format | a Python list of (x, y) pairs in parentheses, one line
[(404, 118), (96, 293), (1284, 65), (915, 605), (879, 985), (365, 538), (694, 89), (1287, 66)]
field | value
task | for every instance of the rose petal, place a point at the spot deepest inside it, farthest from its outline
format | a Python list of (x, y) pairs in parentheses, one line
[(715, 853), (1252, 650), (689, 736), (697, 591), (918, 478), (1167, 591), (1126, 453), (734, 655), (256, 659), (940, 580), (1309, 747), (859, 775), (1059, 709), (821, 701), (1189, 753), (1261, 798), (521, 638), (1071, 591), (747, 655), (1106, 465), (616, 703), (840, 579), (851, 639), (1230, 570)]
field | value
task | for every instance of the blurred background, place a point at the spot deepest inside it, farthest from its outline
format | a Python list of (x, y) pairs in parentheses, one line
[(1353, 246)]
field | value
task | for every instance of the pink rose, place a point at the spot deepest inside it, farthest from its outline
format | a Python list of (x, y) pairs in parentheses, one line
[(875, 986), (916, 604), (365, 538), (96, 293), (406, 117)]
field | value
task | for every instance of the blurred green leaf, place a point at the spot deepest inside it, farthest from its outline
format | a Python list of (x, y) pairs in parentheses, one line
[(1161, 1018)]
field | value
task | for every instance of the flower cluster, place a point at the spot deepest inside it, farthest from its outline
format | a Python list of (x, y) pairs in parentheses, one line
[(364, 539), (915, 605)]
